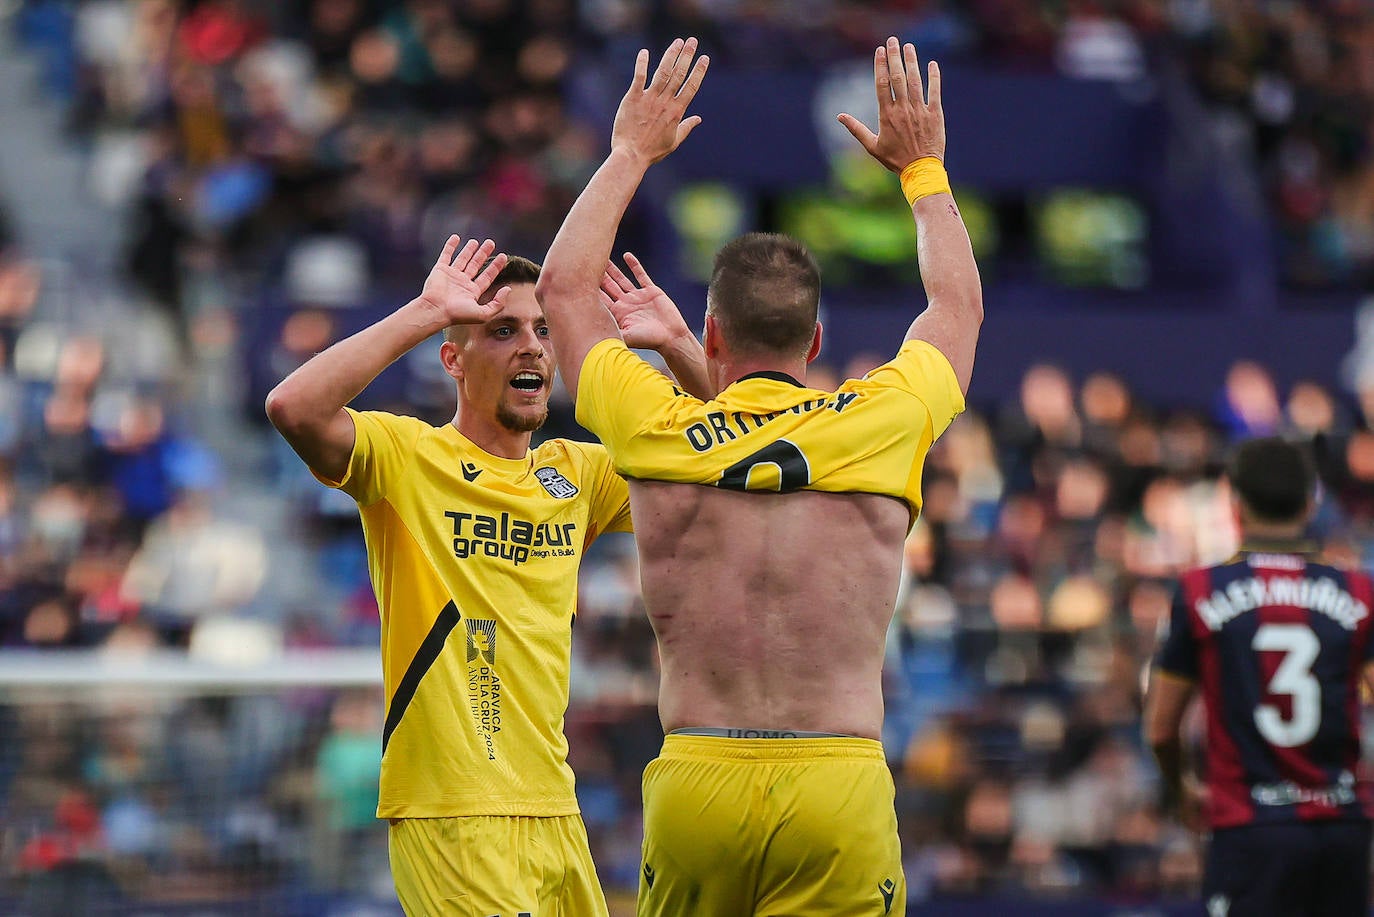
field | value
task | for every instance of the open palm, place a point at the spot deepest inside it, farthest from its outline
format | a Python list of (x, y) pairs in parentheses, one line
[(911, 121), (456, 284), (647, 316)]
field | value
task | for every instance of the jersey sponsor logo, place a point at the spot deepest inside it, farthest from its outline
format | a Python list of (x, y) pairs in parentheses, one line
[(507, 538), (470, 472), (484, 685), (888, 889), (721, 427), (1287, 793), (1321, 595), (557, 485)]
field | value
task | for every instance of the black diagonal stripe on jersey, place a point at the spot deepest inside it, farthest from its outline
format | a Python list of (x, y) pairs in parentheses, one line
[(429, 651)]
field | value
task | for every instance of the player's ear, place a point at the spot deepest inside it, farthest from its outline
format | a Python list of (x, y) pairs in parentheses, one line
[(710, 337), (451, 355), (815, 350), (1237, 512)]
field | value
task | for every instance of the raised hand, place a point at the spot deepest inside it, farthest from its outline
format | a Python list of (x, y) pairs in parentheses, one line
[(455, 285), (649, 122), (647, 316), (909, 126)]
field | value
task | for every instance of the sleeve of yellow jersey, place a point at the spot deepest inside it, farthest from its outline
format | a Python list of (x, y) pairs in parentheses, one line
[(921, 369), (610, 511), (617, 393), (383, 446)]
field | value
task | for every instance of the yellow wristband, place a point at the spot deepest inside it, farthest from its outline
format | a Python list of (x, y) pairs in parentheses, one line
[(924, 177)]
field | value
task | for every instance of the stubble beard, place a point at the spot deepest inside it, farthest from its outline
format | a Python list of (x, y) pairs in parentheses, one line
[(520, 423)]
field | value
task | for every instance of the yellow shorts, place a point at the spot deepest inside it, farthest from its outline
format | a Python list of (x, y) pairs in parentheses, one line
[(797, 827), (479, 866)]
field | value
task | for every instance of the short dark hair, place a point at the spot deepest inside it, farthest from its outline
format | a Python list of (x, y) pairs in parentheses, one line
[(517, 271), (765, 292), (1273, 478)]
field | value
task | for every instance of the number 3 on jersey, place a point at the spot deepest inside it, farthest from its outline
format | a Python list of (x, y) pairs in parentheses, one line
[(794, 471), (1294, 679)]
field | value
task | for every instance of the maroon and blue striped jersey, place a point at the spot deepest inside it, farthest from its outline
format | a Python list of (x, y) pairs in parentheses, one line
[(1277, 644)]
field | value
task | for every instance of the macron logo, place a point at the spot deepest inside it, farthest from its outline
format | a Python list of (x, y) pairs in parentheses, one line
[(470, 472)]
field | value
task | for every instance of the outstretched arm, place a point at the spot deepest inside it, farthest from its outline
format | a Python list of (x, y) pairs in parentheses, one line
[(649, 319), (911, 142), (307, 407), (648, 126)]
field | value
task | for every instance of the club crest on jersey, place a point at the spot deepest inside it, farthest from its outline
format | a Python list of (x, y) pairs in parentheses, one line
[(557, 485)]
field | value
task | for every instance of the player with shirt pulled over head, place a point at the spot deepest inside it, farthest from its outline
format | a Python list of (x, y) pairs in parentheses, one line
[(474, 541), (1278, 643), (770, 519)]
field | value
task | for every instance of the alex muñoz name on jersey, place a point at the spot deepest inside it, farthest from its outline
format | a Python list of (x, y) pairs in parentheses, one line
[(1322, 595), (722, 427), (507, 538)]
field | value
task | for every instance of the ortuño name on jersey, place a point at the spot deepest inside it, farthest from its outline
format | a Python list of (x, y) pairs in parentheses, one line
[(516, 540), (1320, 595), (722, 427)]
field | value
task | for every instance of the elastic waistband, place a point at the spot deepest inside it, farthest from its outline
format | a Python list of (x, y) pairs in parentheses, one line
[(723, 748), (719, 732)]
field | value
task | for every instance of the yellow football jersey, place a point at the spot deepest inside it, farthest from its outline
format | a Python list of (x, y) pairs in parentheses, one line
[(474, 561), (768, 432)]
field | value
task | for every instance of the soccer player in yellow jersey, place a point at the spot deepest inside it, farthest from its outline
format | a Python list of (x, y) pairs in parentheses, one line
[(770, 520), (474, 541)]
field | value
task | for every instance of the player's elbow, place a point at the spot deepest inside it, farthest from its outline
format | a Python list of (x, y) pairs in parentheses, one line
[(972, 302), (1159, 735), (1157, 743), (546, 288), (285, 411), (554, 286)]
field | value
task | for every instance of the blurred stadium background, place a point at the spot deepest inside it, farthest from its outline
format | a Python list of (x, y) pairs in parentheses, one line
[(1173, 205)]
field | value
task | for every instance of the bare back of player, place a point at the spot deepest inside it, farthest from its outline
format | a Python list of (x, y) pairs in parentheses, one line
[(771, 610), (770, 518)]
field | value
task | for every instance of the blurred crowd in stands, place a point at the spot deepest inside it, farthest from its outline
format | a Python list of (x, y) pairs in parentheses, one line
[(331, 145), (327, 147)]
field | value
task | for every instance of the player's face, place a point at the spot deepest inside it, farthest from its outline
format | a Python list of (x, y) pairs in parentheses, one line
[(506, 366)]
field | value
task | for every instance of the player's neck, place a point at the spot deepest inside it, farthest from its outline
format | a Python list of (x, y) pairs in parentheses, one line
[(728, 372), (490, 436), (1270, 532)]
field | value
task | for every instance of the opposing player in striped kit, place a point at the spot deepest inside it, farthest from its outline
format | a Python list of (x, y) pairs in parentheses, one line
[(1277, 643)]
